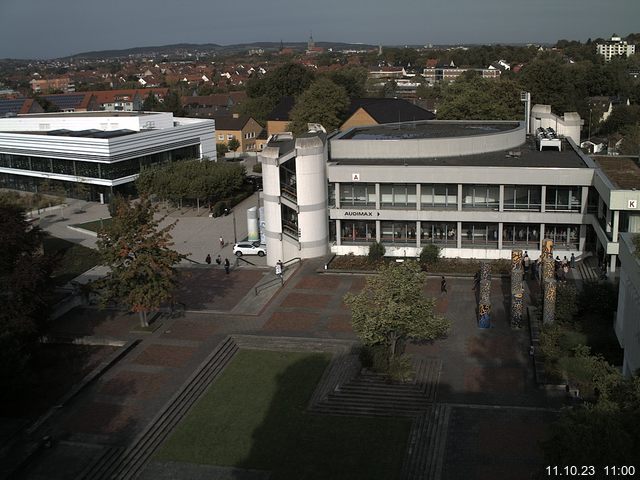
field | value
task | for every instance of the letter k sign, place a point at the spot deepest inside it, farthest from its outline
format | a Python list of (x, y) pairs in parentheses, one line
[(632, 204)]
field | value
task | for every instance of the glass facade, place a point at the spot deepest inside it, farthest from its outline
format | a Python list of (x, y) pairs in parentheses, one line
[(288, 185), (289, 221), (566, 199), (563, 236), (398, 233), (480, 234), (107, 171), (440, 233), (522, 197), (397, 196), (520, 235), (357, 231), (439, 196), (358, 195), (480, 197)]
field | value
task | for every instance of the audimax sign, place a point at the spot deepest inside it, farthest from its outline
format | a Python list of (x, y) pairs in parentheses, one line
[(361, 213)]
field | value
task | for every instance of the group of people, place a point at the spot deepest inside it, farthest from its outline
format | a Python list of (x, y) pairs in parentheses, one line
[(533, 269), (227, 264)]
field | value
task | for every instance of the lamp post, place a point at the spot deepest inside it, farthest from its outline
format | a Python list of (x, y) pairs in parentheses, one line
[(589, 124)]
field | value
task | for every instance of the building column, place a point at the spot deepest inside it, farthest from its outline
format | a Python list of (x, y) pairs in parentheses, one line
[(501, 201), (338, 232), (418, 234), (336, 192), (542, 235), (459, 198), (543, 203), (378, 233), (378, 197), (612, 263), (616, 225), (585, 198), (418, 196), (459, 233), (500, 225), (583, 238)]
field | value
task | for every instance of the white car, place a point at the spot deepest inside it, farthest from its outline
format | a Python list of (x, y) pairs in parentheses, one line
[(248, 248)]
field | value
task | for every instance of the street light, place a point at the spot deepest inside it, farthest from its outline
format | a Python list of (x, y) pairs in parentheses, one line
[(233, 213)]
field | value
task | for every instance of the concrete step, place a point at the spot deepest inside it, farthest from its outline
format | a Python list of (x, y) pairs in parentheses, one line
[(130, 464)]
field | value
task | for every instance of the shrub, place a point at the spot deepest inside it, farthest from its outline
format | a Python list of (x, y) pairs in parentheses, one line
[(566, 303), (218, 209), (376, 251), (374, 357), (430, 254), (400, 368), (257, 168)]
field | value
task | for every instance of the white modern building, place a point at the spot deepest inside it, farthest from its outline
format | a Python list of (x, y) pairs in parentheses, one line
[(627, 324), (104, 150), (615, 47), (477, 189)]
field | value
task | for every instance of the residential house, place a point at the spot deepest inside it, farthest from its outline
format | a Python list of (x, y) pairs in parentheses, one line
[(19, 106), (52, 84), (365, 112), (616, 47), (209, 106), (242, 128)]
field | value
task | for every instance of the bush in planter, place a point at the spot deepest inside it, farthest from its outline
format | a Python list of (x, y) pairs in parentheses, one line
[(430, 254), (219, 208), (257, 168), (376, 251)]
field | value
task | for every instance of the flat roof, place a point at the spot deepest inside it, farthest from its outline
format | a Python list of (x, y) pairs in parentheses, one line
[(527, 155), (427, 129), (101, 113), (623, 172)]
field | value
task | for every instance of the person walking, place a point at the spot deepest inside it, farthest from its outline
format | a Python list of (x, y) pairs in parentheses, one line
[(227, 265), (572, 260), (219, 260), (279, 268), (443, 286), (221, 242), (526, 261), (208, 259)]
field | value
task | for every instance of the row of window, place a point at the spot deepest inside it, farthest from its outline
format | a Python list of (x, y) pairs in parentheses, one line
[(446, 234), (445, 196), (109, 171)]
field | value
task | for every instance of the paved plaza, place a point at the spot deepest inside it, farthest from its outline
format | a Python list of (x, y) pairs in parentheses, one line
[(496, 414)]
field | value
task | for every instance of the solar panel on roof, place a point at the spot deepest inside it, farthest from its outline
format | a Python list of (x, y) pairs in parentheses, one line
[(10, 106)]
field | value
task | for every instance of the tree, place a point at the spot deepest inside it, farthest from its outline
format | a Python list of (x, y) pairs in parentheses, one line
[(549, 82), (603, 432), (233, 144), (392, 307), (172, 103), (221, 149), (257, 108), (151, 103), (25, 293), (323, 102), (353, 79), (474, 98), (288, 80), (430, 254), (143, 274), (376, 251)]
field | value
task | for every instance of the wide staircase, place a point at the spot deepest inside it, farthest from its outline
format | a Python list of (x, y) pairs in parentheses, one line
[(589, 270), (127, 464), (372, 394)]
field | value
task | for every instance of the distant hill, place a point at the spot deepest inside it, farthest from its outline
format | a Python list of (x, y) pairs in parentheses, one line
[(194, 48)]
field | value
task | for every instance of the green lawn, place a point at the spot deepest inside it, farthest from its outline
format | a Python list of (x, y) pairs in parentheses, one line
[(253, 417), (74, 259), (94, 225)]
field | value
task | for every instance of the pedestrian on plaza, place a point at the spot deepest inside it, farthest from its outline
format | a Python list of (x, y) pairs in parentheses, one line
[(221, 242), (565, 271), (219, 260), (526, 261), (443, 286), (572, 260), (476, 280), (208, 259), (227, 265)]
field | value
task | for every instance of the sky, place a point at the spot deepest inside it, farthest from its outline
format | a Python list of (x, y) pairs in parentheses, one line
[(56, 28)]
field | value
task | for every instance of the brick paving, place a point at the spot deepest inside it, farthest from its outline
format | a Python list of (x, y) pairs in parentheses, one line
[(479, 367)]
